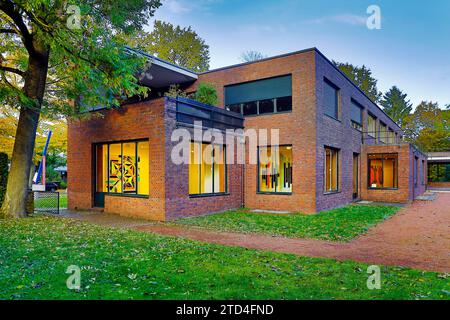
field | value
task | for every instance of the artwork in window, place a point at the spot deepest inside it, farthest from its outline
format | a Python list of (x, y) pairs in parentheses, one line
[(383, 171), (123, 168), (207, 169), (331, 170), (275, 169)]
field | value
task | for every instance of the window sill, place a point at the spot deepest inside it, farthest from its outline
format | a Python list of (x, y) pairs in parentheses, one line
[(141, 196), (385, 189), (274, 193), (331, 117), (266, 114), (207, 195), (328, 193)]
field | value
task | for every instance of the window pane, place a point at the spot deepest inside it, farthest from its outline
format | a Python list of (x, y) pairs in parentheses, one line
[(285, 169), (371, 126), (266, 106), (383, 132), (206, 169), (330, 100), (383, 172), (235, 108), (249, 108), (102, 168), (219, 169), (143, 168), (331, 170), (115, 168), (275, 169), (194, 168), (129, 169), (267, 170), (356, 112), (284, 104)]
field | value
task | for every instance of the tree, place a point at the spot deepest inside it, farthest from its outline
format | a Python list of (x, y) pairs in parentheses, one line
[(181, 46), (206, 93), (362, 77), (429, 127), (3, 175), (396, 105), (50, 56), (249, 56)]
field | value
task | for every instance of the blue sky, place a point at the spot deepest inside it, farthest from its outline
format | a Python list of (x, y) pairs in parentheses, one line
[(412, 49)]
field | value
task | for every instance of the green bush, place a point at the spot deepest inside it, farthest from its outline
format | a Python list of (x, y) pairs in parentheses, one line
[(63, 185), (206, 93), (3, 175)]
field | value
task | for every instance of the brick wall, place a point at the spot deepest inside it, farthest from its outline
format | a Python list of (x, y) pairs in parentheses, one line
[(296, 128), (143, 120)]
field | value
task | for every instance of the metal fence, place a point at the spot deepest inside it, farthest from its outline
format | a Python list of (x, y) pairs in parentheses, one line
[(46, 201)]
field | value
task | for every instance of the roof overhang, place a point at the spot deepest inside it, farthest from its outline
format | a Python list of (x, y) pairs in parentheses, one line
[(161, 74)]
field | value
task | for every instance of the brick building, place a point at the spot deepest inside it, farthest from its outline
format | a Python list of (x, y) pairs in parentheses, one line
[(335, 145)]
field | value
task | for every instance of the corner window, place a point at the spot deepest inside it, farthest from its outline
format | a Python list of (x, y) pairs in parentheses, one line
[(207, 169), (122, 168), (330, 99), (331, 170), (275, 169), (356, 115), (383, 171)]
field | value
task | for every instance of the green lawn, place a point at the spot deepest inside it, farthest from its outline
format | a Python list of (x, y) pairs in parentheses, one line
[(123, 264), (51, 202), (342, 224)]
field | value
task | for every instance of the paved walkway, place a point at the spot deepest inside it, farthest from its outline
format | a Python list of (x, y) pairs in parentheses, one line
[(417, 237)]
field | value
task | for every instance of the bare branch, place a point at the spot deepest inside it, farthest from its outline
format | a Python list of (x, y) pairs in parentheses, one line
[(12, 31), (13, 70)]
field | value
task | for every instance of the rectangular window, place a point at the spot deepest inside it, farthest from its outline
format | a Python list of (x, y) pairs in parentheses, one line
[(383, 171), (263, 96), (356, 115), (383, 132), (416, 170), (391, 137), (207, 169), (439, 172), (330, 99), (331, 170), (422, 172), (275, 169), (123, 168), (372, 126)]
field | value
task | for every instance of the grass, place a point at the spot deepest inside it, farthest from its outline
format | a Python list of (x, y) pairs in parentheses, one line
[(124, 264), (342, 224), (51, 202)]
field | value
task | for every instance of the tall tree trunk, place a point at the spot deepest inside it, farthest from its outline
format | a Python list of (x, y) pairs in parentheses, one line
[(22, 156)]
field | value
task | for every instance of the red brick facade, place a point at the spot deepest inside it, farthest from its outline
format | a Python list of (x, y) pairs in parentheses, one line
[(306, 128)]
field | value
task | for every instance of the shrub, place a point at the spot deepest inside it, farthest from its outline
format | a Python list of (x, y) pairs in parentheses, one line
[(206, 93), (3, 175), (63, 185)]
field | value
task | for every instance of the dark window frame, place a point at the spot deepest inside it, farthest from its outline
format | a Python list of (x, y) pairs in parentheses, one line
[(257, 107), (337, 190), (337, 96), (94, 168), (382, 163), (212, 194)]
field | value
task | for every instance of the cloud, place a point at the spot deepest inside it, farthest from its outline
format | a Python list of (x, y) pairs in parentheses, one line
[(176, 6), (346, 18)]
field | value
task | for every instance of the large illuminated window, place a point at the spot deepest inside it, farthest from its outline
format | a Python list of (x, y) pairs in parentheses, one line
[(123, 168), (331, 170), (383, 171), (207, 169), (275, 169)]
